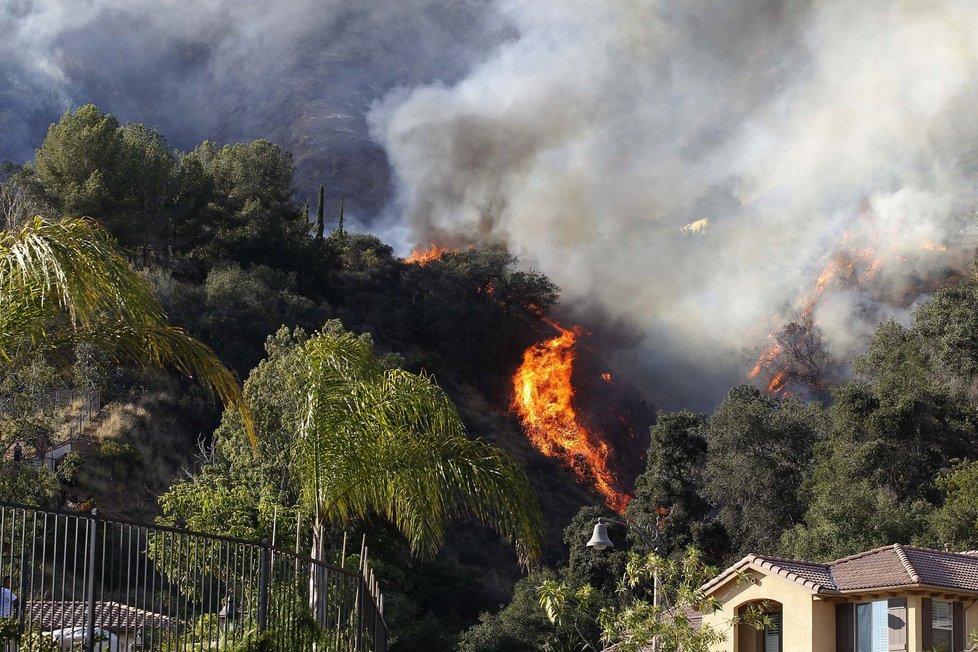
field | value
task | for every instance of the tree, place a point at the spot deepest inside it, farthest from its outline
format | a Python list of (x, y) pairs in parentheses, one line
[(675, 478), (634, 625), (78, 161), (759, 450), (521, 625), (956, 521), (320, 224), (65, 282), (347, 438), (126, 175), (846, 513), (949, 323)]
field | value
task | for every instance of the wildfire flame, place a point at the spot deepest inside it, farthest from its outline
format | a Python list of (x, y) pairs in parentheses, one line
[(422, 257), (848, 264), (544, 401)]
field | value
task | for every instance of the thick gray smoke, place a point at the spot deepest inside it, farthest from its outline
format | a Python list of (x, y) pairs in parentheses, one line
[(583, 134), (302, 73), (805, 132)]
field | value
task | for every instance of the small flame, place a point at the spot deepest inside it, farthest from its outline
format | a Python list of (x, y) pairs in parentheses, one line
[(699, 226), (927, 245), (606, 377), (777, 383), (422, 257), (544, 401)]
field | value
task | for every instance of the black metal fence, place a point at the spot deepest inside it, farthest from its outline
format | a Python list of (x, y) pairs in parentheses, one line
[(116, 585)]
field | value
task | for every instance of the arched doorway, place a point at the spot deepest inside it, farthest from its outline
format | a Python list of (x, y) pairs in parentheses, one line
[(769, 638)]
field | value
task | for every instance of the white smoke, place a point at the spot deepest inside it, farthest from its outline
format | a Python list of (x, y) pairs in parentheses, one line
[(798, 128)]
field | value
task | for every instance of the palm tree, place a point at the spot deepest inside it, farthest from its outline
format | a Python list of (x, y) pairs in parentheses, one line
[(389, 442), (66, 281)]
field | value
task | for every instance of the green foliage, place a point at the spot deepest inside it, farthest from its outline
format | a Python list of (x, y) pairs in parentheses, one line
[(125, 175), (236, 309), (521, 625), (635, 626), (472, 308), (243, 209), (894, 430), (570, 609), (72, 161), (675, 477), (759, 449), (949, 324), (956, 521), (31, 640), (66, 282), (120, 457), (598, 568), (320, 223)]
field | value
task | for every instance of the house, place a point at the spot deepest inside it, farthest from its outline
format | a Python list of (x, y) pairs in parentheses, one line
[(123, 624), (891, 599)]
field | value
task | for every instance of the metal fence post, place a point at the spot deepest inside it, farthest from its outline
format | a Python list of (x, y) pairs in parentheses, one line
[(263, 572), (90, 589)]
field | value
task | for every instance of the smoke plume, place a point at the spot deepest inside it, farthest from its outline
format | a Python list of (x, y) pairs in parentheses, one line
[(302, 73), (783, 134), (686, 171)]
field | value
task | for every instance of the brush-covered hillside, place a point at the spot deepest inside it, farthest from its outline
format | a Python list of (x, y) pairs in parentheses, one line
[(233, 258), (885, 452)]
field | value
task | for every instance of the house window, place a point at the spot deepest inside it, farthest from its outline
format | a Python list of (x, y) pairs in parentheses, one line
[(750, 637), (772, 633), (942, 625), (872, 627)]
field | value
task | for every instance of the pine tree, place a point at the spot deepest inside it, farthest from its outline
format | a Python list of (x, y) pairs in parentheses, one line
[(320, 225)]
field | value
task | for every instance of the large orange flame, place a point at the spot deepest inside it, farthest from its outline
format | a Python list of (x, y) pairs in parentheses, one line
[(424, 256), (544, 401)]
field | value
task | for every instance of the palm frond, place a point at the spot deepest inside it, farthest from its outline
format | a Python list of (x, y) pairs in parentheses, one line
[(392, 443), (66, 280)]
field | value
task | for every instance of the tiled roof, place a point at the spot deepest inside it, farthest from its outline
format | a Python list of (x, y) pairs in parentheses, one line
[(811, 574), (112, 616), (889, 566), (945, 569), (873, 568)]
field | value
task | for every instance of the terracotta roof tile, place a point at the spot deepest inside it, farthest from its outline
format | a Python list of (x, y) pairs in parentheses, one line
[(112, 616), (948, 569), (871, 569), (818, 574)]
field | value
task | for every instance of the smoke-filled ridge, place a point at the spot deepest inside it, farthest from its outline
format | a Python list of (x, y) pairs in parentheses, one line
[(694, 167)]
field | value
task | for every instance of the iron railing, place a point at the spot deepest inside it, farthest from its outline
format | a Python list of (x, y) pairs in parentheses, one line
[(117, 585)]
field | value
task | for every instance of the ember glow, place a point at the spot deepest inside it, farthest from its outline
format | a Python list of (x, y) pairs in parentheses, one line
[(544, 400), (849, 266), (422, 257)]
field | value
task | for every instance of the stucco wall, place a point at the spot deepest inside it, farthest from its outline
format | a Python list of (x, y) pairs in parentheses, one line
[(796, 608), (808, 623), (970, 618)]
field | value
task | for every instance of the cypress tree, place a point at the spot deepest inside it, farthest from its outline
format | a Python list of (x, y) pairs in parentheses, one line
[(339, 227), (320, 225)]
